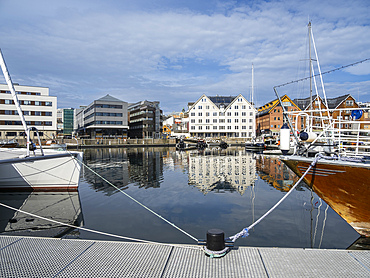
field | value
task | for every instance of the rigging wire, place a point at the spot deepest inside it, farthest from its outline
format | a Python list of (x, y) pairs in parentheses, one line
[(329, 71)]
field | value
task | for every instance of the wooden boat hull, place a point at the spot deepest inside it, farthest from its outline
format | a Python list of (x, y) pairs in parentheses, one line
[(344, 186)]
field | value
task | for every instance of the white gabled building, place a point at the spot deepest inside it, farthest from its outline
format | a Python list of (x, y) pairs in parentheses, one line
[(222, 116)]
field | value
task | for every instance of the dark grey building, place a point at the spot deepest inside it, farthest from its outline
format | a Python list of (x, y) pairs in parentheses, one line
[(145, 119)]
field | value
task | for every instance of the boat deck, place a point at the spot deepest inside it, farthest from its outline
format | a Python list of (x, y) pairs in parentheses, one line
[(47, 257)]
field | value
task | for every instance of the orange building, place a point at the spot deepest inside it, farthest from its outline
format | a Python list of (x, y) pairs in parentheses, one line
[(269, 117)]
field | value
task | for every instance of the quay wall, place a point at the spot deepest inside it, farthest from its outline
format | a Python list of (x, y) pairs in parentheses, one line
[(120, 143)]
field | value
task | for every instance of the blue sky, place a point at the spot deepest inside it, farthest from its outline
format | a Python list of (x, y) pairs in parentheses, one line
[(175, 51)]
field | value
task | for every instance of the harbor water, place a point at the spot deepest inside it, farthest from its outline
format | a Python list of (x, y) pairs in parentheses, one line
[(197, 191)]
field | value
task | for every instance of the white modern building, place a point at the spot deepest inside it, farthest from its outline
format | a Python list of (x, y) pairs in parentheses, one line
[(222, 116), (39, 110)]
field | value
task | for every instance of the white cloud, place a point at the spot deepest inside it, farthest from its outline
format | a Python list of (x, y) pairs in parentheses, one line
[(182, 51)]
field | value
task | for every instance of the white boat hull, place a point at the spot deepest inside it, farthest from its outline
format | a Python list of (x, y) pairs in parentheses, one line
[(53, 171)]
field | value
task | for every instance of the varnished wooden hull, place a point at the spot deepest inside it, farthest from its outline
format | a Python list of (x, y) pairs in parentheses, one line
[(344, 186)]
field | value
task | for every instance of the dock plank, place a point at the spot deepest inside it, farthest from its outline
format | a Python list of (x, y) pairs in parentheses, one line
[(47, 257), (312, 262)]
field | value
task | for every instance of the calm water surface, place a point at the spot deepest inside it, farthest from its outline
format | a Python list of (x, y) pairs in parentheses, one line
[(225, 189)]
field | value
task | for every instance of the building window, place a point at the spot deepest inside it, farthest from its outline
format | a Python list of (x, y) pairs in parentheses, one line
[(236, 120), (207, 114), (11, 133), (236, 107), (229, 120), (200, 127), (236, 114), (207, 121), (215, 120), (192, 127), (192, 114), (200, 114), (193, 121), (244, 107), (228, 113), (236, 127), (214, 113), (200, 121), (215, 127), (199, 107)]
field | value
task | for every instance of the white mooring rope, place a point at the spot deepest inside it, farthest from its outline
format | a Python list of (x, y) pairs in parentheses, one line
[(244, 232), (93, 231), (136, 201)]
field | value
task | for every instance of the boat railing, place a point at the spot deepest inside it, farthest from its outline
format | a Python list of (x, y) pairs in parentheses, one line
[(338, 129)]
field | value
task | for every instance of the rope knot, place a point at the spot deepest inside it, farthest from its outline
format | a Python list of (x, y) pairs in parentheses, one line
[(245, 233)]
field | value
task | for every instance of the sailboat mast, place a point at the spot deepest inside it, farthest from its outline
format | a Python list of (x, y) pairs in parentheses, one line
[(12, 91), (310, 64), (252, 90)]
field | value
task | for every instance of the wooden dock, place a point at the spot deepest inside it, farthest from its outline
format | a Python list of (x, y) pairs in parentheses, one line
[(47, 257)]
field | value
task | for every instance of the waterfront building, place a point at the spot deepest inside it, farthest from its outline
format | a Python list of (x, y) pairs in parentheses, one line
[(65, 121), (366, 106), (270, 116), (177, 125), (145, 119), (39, 110), (103, 118), (222, 116), (78, 122), (342, 102)]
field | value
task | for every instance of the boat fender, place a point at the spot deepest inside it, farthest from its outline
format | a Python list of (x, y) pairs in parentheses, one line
[(307, 136), (356, 114), (285, 139)]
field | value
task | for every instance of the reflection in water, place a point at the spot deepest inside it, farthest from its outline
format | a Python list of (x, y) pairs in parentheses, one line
[(112, 164), (251, 184), (223, 170), (146, 168), (141, 167), (59, 206), (275, 173)]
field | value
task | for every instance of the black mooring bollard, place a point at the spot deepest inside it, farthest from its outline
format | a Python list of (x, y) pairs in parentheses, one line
[(215, 240)]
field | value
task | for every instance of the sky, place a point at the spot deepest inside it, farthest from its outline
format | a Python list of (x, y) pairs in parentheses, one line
[(174, 51)]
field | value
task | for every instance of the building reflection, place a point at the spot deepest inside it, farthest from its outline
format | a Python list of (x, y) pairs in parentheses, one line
[(275, 173), (142, 167), (230, 170), (146, 167), (110, 163), (60, 206)]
